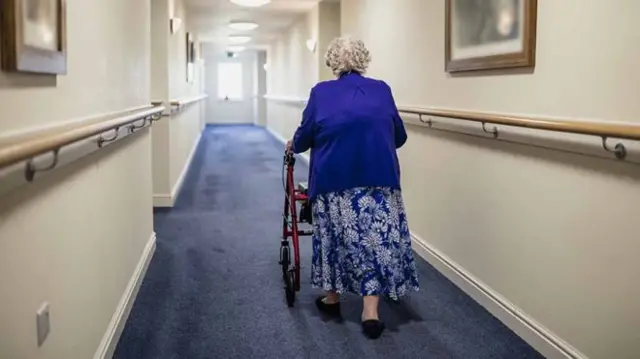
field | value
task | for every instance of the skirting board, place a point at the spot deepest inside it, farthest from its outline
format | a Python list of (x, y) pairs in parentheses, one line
[(119, 319), (539, 337), (168, 200)]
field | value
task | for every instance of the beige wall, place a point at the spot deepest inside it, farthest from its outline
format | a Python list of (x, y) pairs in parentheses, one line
[(547, 231), (74, 238), (294, 70), (174, 141), (328, 29)]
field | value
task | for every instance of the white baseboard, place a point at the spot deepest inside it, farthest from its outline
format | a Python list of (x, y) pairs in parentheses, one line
[(169, 199), (539, 337), (534, 333), (119, 319)]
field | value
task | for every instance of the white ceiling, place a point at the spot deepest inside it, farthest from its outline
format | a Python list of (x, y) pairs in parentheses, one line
[(210, 19)]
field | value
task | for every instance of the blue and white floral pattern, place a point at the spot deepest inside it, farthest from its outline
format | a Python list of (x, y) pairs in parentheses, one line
[(361, 243)]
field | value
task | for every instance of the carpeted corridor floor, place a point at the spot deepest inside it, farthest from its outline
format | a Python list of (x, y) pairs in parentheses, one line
[(214, 288)]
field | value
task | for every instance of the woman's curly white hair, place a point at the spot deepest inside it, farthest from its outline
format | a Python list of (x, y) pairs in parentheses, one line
[(346, 54)]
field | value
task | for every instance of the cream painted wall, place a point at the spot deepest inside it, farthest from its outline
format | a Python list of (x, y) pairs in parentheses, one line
[(547, 230), (293, 69), (185, 124), (74, 238), (160, 92), (260, 89), (328, 29), (174, 141)]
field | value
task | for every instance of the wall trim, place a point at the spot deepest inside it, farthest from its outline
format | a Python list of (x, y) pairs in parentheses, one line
[(119, 319), (169, 199), (531, 331), (574, 143), (291, 100)]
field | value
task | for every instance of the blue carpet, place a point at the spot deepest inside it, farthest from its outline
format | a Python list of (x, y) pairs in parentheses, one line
[(214, 288)]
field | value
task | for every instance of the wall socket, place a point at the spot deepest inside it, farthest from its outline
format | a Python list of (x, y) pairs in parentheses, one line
[(42, 323)]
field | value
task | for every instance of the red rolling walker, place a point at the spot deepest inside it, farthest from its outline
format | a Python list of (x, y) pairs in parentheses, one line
[(290, 228)]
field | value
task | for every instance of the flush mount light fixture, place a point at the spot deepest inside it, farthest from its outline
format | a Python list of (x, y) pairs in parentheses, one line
[(243, 25), (236, 48), (239, 39), (250, 3)]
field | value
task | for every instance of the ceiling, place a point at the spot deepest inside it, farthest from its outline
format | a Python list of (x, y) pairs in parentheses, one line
[(210, 19)]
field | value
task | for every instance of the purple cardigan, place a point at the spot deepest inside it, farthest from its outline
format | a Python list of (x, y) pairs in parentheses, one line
[(353, 129)]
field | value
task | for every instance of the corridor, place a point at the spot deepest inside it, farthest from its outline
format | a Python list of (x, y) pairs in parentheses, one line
[(214, 289), (141, 178)]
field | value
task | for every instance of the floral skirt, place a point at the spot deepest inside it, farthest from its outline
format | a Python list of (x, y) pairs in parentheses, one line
[(361, 243)]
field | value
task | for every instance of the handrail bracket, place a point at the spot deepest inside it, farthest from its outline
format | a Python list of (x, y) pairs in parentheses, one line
[(428, 122), (102, 140), (133, 127), (619, 150), (31, 170), (493, 132)]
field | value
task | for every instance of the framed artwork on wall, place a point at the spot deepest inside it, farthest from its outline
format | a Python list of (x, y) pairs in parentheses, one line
[(489, 34), (34, 36), (190, 57)]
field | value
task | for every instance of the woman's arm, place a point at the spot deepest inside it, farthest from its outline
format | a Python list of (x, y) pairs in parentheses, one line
[(398, 125), (303, 138)]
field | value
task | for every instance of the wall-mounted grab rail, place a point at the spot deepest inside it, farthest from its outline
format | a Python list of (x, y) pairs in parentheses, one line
[(599, 129), (178, 104), (22, 156), (286, 99), (188, 100), (603, 130)]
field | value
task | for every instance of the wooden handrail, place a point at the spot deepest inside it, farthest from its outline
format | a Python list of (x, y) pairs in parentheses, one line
[(188, 100), (27, 146), (286, 99), (600, 129)]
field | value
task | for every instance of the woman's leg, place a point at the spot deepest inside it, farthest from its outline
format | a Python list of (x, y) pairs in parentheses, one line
[(332, 297), (372, 327), (370, 307)]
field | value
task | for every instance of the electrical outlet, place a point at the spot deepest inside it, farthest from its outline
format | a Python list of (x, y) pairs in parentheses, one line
[(42, 323)]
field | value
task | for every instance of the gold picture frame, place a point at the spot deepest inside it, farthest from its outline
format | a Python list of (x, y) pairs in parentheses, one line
[(34, 36), (490, 34)]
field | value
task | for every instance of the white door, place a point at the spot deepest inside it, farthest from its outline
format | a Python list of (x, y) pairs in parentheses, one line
[(229, 83)]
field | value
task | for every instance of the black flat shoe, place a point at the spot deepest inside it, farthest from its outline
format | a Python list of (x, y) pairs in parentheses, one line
[(328, 309), (372, 328)]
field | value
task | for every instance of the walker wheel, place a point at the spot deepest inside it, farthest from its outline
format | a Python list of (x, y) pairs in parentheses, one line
[(285, 260), (289, 291)]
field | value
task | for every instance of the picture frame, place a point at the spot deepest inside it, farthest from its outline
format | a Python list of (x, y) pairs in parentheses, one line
[(190, 61), (34, 36), (490, 34)]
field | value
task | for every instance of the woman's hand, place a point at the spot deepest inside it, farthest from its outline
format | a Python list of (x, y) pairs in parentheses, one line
[(289, 146)]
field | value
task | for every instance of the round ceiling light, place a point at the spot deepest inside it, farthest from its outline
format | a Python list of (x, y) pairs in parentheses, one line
[(250, 3), (239, 39), (236, 48), (243, 25)]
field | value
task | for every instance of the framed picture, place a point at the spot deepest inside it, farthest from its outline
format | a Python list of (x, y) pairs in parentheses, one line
[(490, 34), (34, 36), (190, 57)]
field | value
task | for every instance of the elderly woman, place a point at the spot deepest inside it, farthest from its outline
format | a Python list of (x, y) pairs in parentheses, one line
[(361, 241)]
